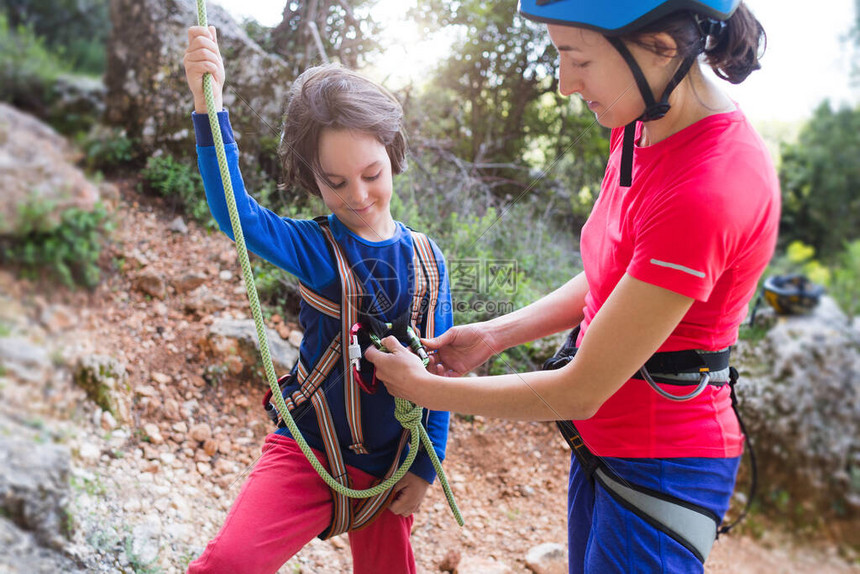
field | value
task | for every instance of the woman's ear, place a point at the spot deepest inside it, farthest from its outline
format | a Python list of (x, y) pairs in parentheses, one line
[(661, 46)]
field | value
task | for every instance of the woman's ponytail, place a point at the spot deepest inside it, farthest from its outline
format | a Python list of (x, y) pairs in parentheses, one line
[(735, 54)]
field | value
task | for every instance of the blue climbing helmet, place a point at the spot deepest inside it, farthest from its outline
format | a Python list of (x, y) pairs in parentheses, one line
[(614, 18), (617, 17)]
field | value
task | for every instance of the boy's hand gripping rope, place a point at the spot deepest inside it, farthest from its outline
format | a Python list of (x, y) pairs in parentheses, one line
[(407, 413)]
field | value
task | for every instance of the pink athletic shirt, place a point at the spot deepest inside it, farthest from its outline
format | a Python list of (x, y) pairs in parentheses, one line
[(700, 219)]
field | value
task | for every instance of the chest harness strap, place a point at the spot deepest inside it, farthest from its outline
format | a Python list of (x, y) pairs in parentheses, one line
[(691, 525), (347, 513)]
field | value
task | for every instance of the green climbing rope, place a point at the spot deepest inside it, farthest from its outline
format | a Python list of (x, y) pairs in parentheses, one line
[(407, 413)]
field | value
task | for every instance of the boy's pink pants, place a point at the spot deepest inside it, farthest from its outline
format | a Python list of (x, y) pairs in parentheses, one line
[(284, 505)]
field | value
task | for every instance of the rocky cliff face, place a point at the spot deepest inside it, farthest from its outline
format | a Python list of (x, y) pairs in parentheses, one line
[(37, 170), (800, 396), (147, 94)]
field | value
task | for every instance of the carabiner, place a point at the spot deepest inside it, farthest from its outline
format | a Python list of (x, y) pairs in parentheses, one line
[(355, 355), (416, 346), (704, 379)]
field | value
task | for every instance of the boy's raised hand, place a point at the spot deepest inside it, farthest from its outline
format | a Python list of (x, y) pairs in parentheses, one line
[(201, 57)]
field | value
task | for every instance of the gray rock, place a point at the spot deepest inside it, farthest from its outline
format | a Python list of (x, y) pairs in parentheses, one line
[(26, 360), (481, 565), (106, 383), (151, 283), (78, 102), (800, 397), (547, 558), (188, 282), (23, 352), (37, 169), (204, 302), (146, 90), (223, 332), (34, 488), (145, 542), (22, 554), (178, 226)]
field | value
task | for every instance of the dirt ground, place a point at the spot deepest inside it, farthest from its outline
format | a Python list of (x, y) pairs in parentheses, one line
[(509, 478)]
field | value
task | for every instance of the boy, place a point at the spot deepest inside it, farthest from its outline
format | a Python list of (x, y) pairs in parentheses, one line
[(343, 141)]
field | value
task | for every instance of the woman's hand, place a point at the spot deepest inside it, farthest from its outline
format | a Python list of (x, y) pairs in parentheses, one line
[(461, 349), (399, 369), (201, 57), (409, 492)]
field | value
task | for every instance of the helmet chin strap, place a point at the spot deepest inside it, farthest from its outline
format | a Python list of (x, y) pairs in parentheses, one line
[(654, 109)]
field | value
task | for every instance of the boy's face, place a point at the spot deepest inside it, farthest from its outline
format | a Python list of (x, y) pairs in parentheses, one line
[(359, 169)]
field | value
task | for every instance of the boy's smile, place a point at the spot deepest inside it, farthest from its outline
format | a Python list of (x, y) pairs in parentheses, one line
[(356, 183)]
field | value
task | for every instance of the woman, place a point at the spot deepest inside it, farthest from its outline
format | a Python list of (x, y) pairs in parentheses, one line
[(685, 224)]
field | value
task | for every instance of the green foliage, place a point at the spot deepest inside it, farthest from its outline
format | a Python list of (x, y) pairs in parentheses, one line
[(178, 182), (69, 250), (277, 289), (499, 259), (801, 259), (28, 69), (500, 66), (845, 285), (494, 104), (820, 176), (92, 486), (753, 333), (75, 30), (108, 149), (347, 31)]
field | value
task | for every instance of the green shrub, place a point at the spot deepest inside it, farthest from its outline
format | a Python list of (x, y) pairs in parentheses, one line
[(69, 250), (28, 70), (500, 257), (845, 285), (178, 182), (107, 149), (75, 29)]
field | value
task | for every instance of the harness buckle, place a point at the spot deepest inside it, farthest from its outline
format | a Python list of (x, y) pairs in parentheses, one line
[(355, 354), (354, 348)]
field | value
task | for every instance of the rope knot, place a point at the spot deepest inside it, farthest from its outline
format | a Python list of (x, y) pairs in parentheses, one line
[(407, 413)]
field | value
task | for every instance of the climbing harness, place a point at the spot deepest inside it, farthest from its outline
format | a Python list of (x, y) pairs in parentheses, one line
[(346, 517), (306, 383), (613, 20), (363, 336), (691, 525)]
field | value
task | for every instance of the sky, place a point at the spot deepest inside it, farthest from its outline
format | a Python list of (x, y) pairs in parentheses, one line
[(807, 59)]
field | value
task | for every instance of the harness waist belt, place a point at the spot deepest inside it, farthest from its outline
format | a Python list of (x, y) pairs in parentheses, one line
[(686, 367)]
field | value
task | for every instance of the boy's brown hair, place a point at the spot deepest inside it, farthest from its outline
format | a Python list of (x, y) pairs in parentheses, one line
[(331, 96)]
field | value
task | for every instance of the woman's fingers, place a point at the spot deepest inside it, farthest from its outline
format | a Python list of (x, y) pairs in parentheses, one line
[(437, 343)]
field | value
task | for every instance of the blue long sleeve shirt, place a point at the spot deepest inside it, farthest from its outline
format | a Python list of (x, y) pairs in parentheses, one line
[(385, 269)]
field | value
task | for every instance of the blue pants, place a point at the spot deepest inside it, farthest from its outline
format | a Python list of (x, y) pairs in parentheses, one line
[(604, 537)]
